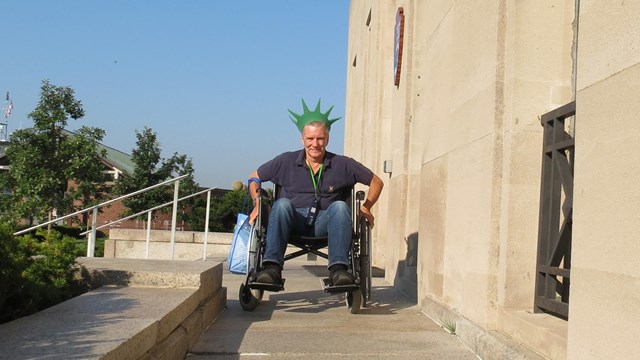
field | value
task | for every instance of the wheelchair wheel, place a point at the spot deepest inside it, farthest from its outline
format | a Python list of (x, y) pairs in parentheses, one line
[(354, 301), (249, 299), (365, 272)]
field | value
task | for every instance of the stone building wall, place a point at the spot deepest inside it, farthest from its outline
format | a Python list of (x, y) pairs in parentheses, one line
[(458, 220)]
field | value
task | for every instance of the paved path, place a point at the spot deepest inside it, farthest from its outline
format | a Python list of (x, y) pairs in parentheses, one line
[(303, 322)]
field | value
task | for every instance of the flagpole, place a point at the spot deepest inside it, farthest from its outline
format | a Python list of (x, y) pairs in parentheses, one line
[(4, 128)]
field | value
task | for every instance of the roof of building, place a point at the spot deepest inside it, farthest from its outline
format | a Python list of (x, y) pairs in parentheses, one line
[(113, 158), (118, 159)]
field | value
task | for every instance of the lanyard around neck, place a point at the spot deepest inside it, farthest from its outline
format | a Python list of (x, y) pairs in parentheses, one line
[(313, 178)]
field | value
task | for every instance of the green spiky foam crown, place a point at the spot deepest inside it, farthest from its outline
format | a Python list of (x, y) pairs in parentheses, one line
[(310, 116)]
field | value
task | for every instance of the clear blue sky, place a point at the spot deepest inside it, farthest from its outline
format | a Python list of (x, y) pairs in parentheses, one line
[(214, 79)]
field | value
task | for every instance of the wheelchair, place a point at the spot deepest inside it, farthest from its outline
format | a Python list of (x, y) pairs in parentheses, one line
[(356, 295)]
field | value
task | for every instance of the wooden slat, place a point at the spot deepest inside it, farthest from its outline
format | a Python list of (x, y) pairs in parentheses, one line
[(562, 112), (554, 306), (565, 273)]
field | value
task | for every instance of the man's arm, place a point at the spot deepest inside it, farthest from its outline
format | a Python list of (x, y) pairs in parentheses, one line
[(375, 188), (254, 186)]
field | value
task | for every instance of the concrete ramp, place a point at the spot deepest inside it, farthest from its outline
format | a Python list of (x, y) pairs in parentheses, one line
[(303, 322)]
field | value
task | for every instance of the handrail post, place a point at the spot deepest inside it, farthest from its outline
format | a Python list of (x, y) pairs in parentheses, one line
[(206, 227), (148, 234), (174, 216), (91, 243)]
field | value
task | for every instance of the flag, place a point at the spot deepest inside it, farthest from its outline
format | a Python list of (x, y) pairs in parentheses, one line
[(7, 111)]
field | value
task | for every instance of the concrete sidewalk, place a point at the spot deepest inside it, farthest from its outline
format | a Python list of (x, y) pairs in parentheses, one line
[(304, 322)]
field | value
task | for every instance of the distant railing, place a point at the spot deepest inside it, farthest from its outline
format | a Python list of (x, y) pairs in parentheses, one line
[(91, 234), (553, 267)]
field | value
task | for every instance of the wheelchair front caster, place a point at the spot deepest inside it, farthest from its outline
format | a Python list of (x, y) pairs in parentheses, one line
[(354, 300), (249, 299)]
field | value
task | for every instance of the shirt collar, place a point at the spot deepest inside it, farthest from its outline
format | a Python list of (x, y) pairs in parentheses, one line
[(326, 162)]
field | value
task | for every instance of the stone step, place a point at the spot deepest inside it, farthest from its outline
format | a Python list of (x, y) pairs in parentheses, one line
[(146, 309)]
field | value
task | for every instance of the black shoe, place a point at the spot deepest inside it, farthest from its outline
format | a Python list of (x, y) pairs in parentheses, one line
[(270, 275), (341, 277)]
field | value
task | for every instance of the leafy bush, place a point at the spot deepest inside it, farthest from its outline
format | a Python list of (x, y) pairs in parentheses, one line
[(81, 247), (11, 266), (224, 211), (35, 272), (74, 231)]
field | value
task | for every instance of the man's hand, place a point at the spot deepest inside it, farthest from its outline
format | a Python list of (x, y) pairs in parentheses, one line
[(375, 188), (253, 215), (367, 215)]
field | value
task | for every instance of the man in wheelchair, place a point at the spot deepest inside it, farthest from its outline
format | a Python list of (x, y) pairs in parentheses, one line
[(314, 188)]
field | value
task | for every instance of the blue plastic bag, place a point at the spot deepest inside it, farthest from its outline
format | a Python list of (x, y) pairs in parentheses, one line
[(238, 253)]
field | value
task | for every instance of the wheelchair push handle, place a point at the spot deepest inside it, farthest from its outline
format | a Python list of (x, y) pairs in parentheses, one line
[(262, 193), (360, 195), (261, 201)]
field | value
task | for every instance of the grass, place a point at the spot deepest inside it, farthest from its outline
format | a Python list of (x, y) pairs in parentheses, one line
[(449, 325)]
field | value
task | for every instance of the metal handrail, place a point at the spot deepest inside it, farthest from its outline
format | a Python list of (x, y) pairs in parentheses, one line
[(150, 210), (92, 236), (99, 205)]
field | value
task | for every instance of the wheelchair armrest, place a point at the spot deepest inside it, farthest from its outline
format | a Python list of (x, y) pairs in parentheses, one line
[(360, 195)]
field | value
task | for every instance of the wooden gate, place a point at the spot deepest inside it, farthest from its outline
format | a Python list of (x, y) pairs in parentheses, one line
[(553, 265)]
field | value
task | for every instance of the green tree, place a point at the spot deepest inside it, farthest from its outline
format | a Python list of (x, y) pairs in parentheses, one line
[(151, 169), (45, 159), (90, 181), (224, 210)]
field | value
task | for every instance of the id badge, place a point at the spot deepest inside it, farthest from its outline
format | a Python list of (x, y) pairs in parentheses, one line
[(312, 213)]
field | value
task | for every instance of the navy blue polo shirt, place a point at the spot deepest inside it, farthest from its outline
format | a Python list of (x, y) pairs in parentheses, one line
[(291, 172)]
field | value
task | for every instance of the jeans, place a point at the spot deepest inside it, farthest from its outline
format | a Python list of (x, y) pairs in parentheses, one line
[(334, 222)]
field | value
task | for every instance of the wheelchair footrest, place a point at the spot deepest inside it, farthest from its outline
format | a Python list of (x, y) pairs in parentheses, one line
[(328, 288), (266, 286)]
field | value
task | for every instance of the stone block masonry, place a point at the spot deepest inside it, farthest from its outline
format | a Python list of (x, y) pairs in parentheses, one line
[(145, 309)]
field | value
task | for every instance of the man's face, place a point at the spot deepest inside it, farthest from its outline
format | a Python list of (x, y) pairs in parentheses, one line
[(315, 139)]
